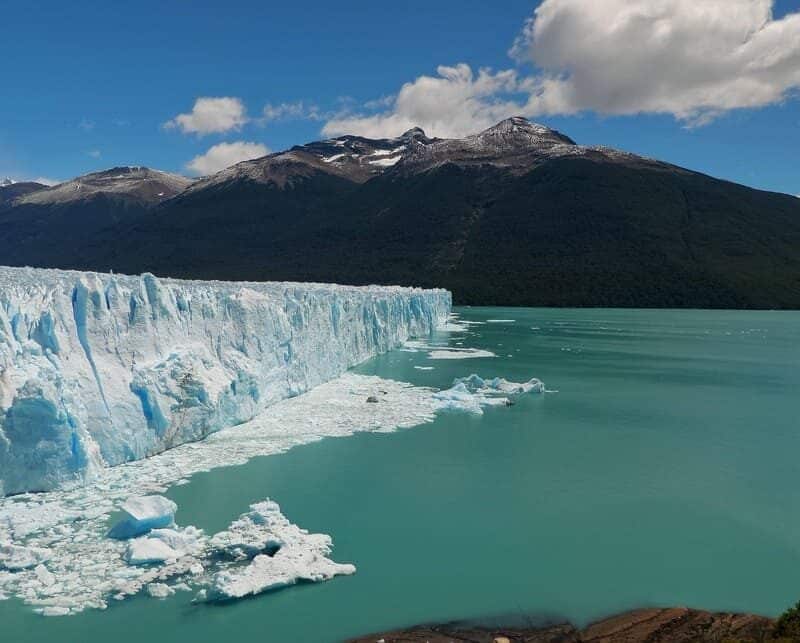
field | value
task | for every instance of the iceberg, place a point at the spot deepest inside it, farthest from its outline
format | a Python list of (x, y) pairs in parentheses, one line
[(471, 394), (99, 369), (143, 514), (281, 553)]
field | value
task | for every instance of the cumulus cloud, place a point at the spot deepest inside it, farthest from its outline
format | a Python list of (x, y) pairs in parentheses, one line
[(211, 115), (223, 155), (454, 103), (694, 60)]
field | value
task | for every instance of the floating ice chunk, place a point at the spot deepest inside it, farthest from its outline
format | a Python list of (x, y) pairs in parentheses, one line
[(460, 353), (189, 540), (477, 384), (162, 545), (16, 557), (500, 321), (282, 554), (44, 576), (288, 567), (424, 368), (144, 513), (261, 530), (149, 551), (459, 398), (471, 393), (55, 611), (159, 590)]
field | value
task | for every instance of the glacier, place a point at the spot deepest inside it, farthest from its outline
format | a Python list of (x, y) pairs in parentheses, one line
[(101, 369)]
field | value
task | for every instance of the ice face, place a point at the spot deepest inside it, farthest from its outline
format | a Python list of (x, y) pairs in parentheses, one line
[(97, 370)]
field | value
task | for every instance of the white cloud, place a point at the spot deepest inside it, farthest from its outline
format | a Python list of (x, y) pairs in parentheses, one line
[(285, 111), (95, 154), (86, 125), (211, 115), (692, 59), (454, 103), (224, 155)]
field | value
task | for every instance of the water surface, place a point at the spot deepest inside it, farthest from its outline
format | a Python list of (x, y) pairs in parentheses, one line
[(663, 472)]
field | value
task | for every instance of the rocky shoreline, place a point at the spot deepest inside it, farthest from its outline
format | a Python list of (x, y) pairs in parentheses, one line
[(667, 625)]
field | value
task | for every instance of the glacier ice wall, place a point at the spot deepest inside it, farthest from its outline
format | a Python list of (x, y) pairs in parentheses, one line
[(98, 369)]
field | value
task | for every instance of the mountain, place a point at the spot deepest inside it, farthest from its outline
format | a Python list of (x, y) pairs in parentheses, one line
[(10, 190), (52, 226), (518, 214)]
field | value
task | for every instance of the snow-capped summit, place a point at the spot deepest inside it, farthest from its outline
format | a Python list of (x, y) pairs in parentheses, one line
[(514, 143), (353, 158), (6, 182), (520, 131), (128, 182)]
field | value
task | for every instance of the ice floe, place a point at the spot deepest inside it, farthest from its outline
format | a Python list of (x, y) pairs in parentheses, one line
[(471, 394), (459, 353), (281, 554)]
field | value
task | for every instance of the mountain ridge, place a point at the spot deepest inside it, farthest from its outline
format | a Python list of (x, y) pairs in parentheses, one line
[(517, 214)]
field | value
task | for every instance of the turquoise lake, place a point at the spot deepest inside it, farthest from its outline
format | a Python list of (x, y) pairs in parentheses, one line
[(664, 471)]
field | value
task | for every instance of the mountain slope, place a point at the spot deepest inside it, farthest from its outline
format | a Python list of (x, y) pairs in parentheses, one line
[(55, 226), (518, 214), (10, 190)]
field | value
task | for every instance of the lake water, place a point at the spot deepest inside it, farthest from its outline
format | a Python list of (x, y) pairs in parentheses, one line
[(663, 472)]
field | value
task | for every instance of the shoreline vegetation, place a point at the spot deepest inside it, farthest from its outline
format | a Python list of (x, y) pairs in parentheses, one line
[(666, 625)]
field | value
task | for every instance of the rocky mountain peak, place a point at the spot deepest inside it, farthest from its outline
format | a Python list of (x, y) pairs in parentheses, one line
[(413, 133), (131, 182), (518, 130)]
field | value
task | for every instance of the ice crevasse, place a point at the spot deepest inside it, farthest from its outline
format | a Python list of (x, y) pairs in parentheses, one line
[(99, 369)]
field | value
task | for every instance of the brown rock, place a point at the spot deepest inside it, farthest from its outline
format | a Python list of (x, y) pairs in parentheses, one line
[(671, 625)]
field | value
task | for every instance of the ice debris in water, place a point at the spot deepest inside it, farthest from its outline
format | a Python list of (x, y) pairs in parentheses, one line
[(260, 551), (281, 554), (98, 370), (16, 557), (162, 545), (460, 353), (143, 514), (471, 394), (67, 530), (70, 564)]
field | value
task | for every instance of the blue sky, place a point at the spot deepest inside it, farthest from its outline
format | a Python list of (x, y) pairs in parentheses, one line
[(90, 85)]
